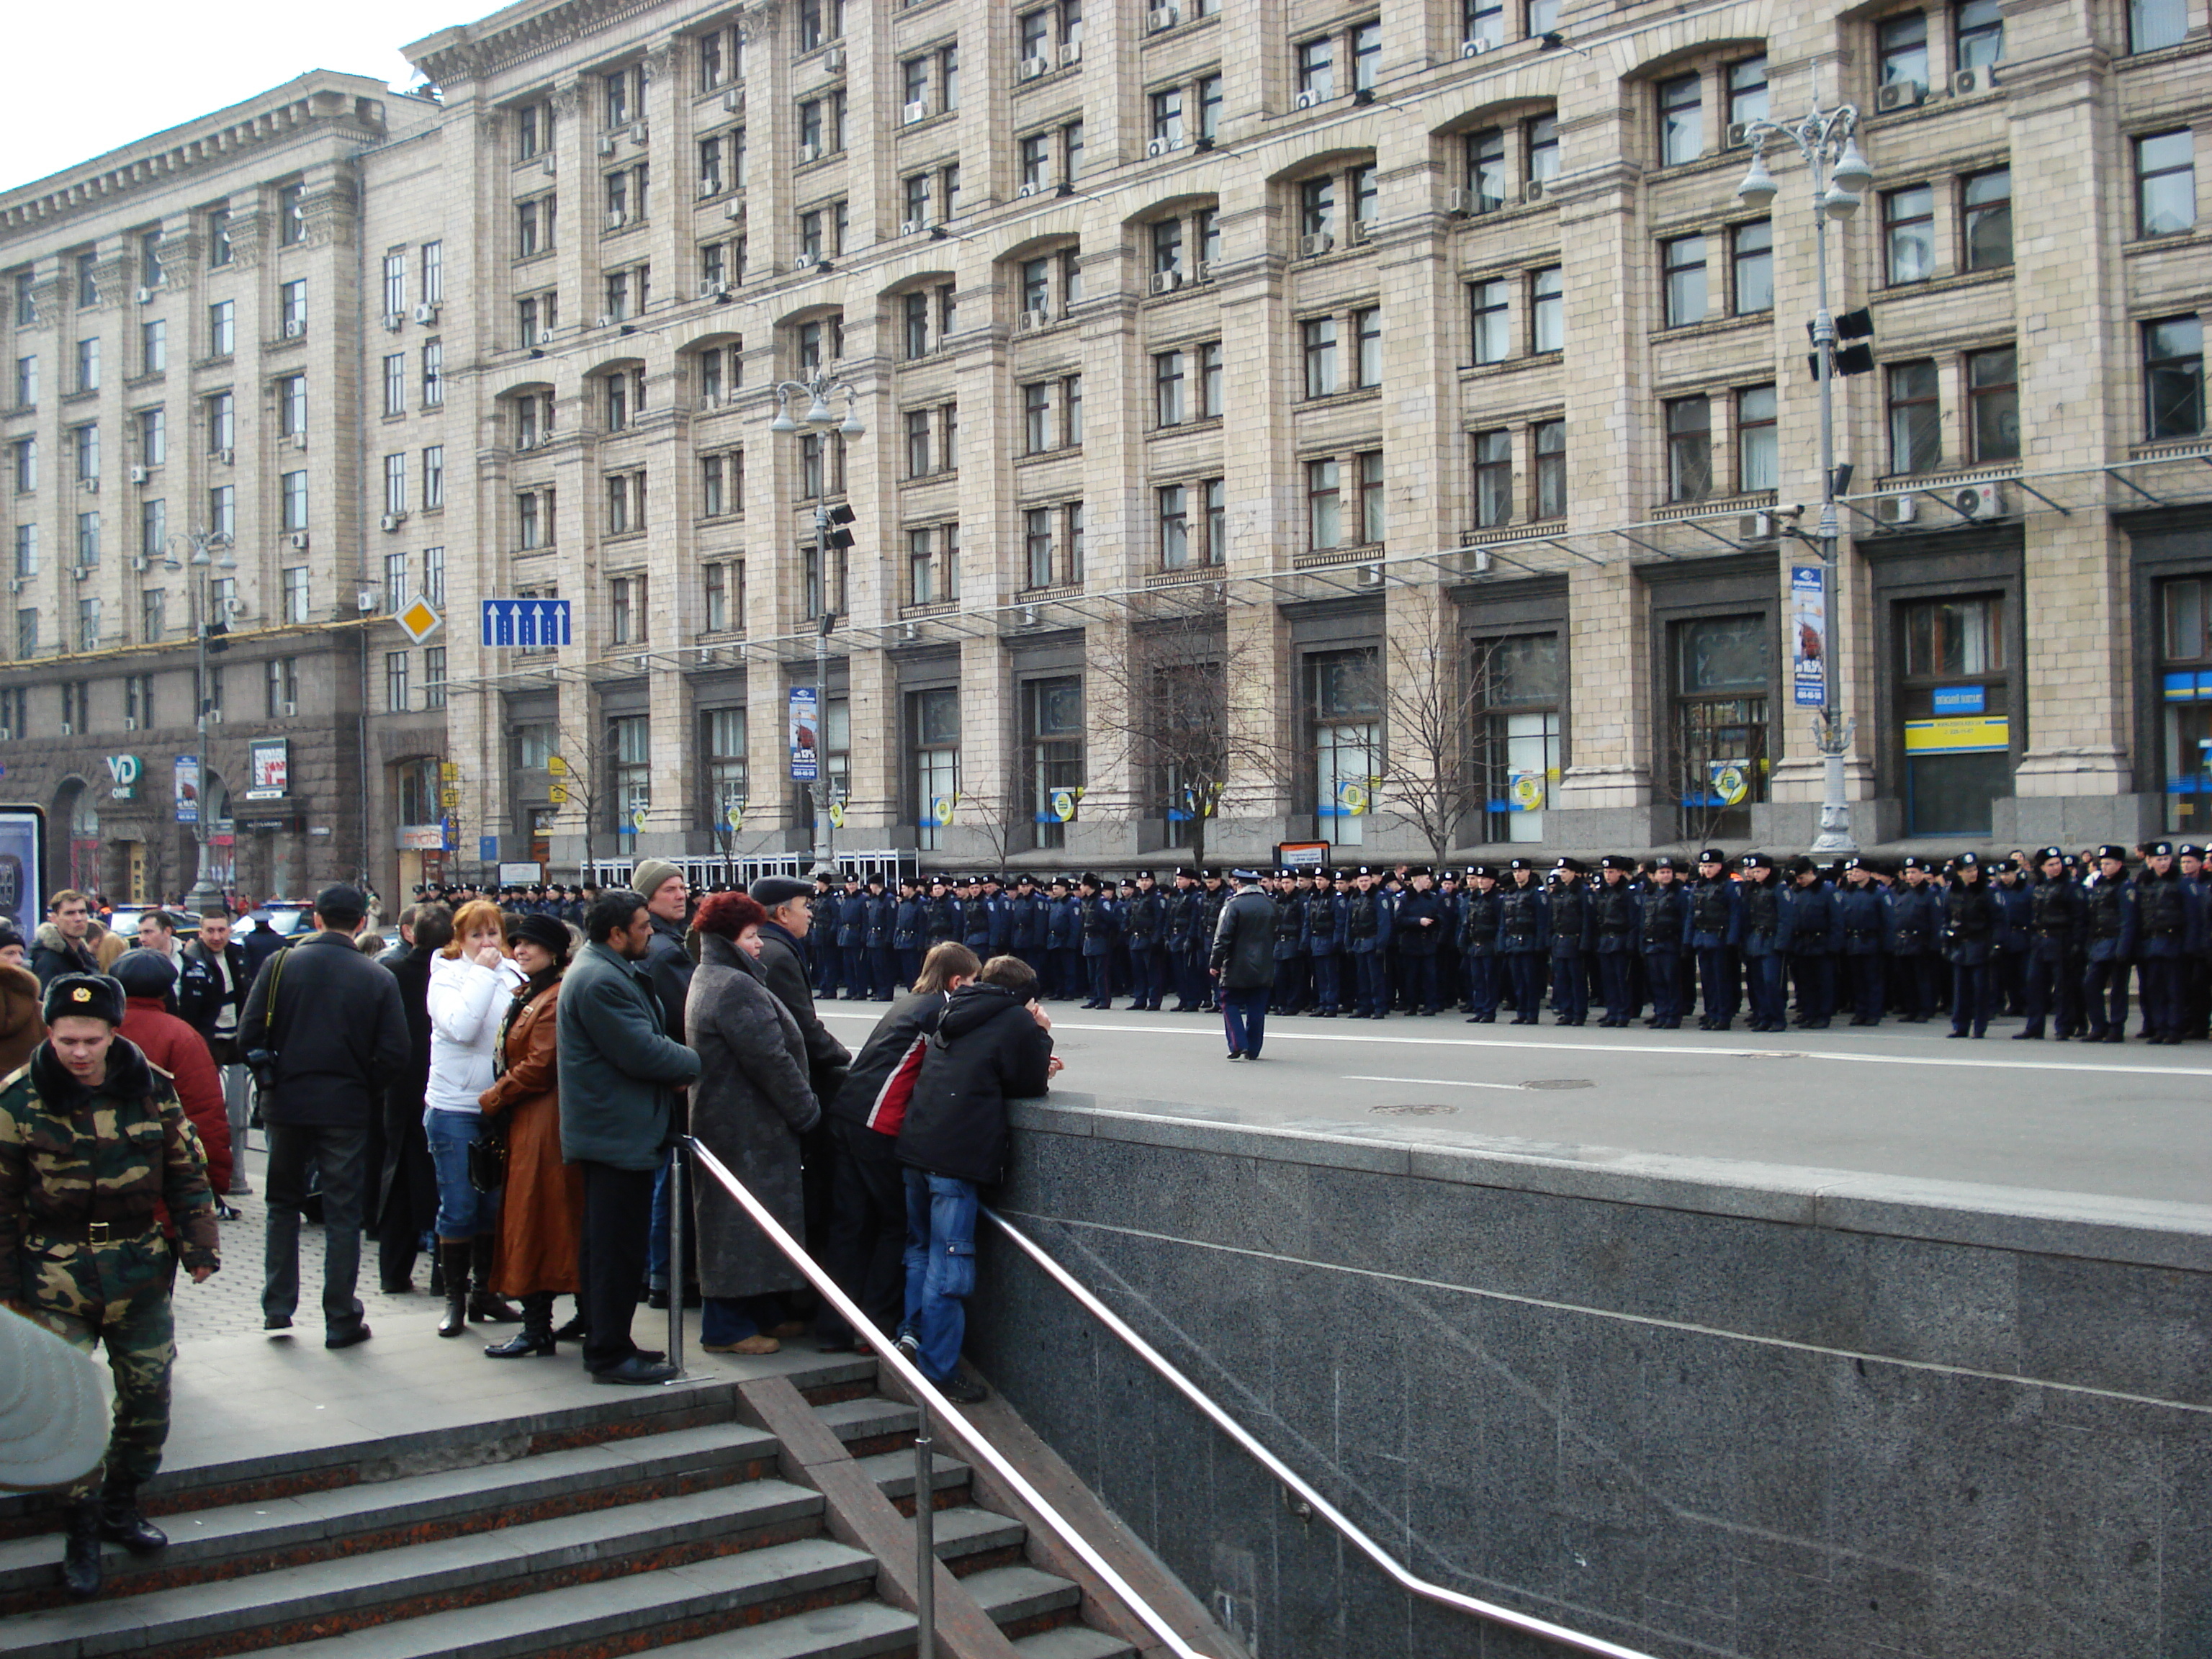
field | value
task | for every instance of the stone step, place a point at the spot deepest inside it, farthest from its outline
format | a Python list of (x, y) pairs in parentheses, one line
[(772, 1603), (234, 1539), (870, 1425), (893, 1473), (293, 1604), (1074, 1642), (970, 1540), (1023, 1601)]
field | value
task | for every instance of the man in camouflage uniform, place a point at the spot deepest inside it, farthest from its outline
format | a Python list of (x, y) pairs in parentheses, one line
[(92, 1139)]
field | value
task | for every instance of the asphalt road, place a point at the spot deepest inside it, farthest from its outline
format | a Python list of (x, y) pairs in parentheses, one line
[(2127, 1121)]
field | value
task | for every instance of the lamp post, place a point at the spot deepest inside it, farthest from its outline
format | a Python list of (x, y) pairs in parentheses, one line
[(1840, 176), (819, 389), (201, 566)]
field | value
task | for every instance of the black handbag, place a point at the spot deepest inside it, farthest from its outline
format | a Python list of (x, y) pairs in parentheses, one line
[(488, 1157)]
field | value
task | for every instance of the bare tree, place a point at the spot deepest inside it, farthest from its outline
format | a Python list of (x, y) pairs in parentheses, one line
[(1162, 705), (587, 776), (1429, 771)]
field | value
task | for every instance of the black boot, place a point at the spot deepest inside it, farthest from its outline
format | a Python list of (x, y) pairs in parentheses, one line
[(453, 1254), (487, 1306), (81, 1568), (535, 1336), (121, 1523), (575, 1330)]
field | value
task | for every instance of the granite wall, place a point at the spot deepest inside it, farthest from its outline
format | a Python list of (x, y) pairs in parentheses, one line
[(1692, 1408)]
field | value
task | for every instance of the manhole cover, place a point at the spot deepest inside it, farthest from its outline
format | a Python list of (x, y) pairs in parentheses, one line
[(1771, 1054), (1560, 1083), (1433, 1109)]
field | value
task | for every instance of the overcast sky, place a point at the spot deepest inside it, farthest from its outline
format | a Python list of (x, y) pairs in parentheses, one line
[(139, 67)]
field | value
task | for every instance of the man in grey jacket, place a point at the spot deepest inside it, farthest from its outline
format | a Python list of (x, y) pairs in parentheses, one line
[(619, 1072)]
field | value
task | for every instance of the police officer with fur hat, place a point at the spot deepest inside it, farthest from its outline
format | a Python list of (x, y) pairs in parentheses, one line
[(80, 1251)]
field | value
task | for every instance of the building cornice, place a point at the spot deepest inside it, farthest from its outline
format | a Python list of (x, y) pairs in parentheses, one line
[(347, 105), (473, 51)]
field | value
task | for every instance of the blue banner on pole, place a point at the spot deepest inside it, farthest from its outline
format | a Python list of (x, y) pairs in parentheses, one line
[(525, 624), (1808, 628)]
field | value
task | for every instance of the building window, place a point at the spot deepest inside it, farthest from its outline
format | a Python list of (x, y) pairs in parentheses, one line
[(152, 529), (395, 385), (932, 563), (88, 624), (1993, 403), (433, 374), (1682, 119), (721, 484), (1493, 478), (154, 437), (2155, 23), (23, 465), (223, 328), (292, 307), (1940, 644), (1318, 335), (153, 346), (27, 638), (26, 382), (1175, 532), (1367, 341), (292, 496), (395, 484), (1908, 221), (1051, 744), (292, 214), (87, 365), (222, 510), (1758, 454), (1549, 438), (1492, 312), (1342, 708), (933, 720), (622, 95), (1517, 686), (27, 551), (433, 677), (1916, 418), (1689, 449), (1978, 33), (1901, 49), (88, 544), (1752, 246), (86, 444), (1746, 91), (625, 498), (1324, 504), (395, 683), (218, 237), (1541, 137), (395, 582), (395, 284), (1317, 69), (221, 422), (433, 576), (1987, 208), (295, 593), (1722, 669), (1486, 169), (433, 478), (626, 610), (531, 520), (2166, 184), (292, 406), (629, 741), (1683, 261), (2173, 376)]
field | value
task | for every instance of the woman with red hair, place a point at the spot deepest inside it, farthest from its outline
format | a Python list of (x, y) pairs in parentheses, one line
[(750, 1105)]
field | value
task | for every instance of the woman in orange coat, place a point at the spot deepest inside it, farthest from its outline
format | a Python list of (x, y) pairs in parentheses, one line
[(541, 1217)]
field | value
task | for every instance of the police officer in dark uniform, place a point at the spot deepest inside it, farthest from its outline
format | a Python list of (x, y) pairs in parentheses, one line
[(1614, 915), (1715, 932), (2109, 936), (853, 940), (1766, 943), (1662, 919), (1025, 931), (1063, 941), (906, 930), (1970, 934), (1524, 938), (1324, 943), (1146, 920), (1366, 939), (881, 914), (1419, 925), (2051, 984), (1573, 931), (1863, 920), (2168, 933), (1815, 936), (1101, 926), (1478, 943), (1914, 916)]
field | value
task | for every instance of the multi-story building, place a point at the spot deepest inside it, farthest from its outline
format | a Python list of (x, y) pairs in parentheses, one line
[(1370, 424)]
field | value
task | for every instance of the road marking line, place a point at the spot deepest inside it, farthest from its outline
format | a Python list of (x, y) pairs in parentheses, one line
[(1701, 1050), (1439, 1082)]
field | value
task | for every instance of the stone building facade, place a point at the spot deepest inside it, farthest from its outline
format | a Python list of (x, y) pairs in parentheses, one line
[(1384, 426)]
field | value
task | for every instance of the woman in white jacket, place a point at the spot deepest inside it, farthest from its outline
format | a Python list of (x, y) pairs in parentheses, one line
[(471, 984)]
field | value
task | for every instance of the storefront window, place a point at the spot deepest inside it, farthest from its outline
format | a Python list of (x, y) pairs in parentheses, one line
[(1723, 666), (1052, 734), (1519, 683), (933, 721), (630, 744), (2185, 691), (1954, 698), (1344, 699)]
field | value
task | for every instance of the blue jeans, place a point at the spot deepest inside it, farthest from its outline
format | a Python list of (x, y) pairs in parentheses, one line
[(940, 1268), (463, 1211), (727, 1319), (1245, 1016)]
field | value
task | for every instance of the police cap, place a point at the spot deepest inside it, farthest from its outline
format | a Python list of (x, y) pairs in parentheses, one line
[(1758, 861), (1712, 856), (2159, 849), (2110, 850)]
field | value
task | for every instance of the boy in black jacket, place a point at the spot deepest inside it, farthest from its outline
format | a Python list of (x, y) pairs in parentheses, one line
[(990, 1044)]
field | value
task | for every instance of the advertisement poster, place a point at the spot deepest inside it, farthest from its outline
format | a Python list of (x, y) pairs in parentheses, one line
[(804, 725), (23, 865), (188, 789), (1809, 636), (272, 768)]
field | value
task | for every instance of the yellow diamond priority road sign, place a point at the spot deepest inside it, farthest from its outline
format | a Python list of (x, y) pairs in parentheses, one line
[(420, 621)]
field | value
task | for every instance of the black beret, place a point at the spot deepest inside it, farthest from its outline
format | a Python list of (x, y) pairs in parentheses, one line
[(144, 974), (542, 930), (93, 996)]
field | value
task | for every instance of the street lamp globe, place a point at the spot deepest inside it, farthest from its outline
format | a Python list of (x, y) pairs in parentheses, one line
[(818, 413), (783, 423), (1758, 189), (1851, 171), (1838, 202)]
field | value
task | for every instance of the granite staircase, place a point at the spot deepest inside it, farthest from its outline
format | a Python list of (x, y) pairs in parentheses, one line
[(766, 1519)]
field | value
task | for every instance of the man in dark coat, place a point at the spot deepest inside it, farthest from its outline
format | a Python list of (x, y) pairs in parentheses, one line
[(782, 961), (211, 986), (989, 1044), (1244, 963), (406, 1203), (619, 1073), (63, 943), (668, 967), (332, 1020)]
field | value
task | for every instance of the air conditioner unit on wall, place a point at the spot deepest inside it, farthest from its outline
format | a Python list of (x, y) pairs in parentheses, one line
[(1473, 48), (1033, 67), (394, 321), (426, 314), (299, 540), (833, 61), (1319, 243), (1979, 500), (1163, 17), (917, 110), (733, 100), (1898, 94), (1972, 83), (1897, 509), (1311, 101), (288, 709), (1166, 282)]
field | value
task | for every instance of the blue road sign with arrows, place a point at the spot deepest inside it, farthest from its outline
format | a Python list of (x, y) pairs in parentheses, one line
[(528, 624)]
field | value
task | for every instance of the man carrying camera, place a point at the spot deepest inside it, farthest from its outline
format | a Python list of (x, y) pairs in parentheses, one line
[(322, 1030)]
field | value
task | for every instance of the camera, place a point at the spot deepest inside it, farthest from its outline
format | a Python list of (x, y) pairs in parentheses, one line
[(262, 1062)]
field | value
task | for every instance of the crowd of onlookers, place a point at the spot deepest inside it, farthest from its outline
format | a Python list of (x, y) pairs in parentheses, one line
[(497, 1085)]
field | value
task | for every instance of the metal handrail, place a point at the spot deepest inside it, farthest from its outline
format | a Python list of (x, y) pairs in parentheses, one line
[(1402, 1575), (929, 1399)]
